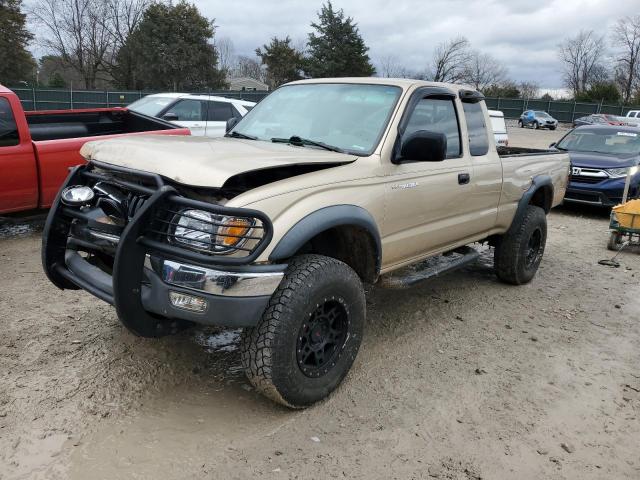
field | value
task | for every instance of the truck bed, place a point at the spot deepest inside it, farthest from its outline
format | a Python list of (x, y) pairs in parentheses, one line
[(61, 124), (520, 151)]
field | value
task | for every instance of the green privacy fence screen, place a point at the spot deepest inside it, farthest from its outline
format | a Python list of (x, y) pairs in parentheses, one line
[(563, 111), (64, 99)]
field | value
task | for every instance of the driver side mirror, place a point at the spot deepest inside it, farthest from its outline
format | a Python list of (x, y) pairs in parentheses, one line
[(170, 117), (423, 146), (232, 122)]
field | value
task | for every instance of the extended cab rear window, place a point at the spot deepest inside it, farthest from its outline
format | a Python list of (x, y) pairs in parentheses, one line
[(8, 128), (478, 138)]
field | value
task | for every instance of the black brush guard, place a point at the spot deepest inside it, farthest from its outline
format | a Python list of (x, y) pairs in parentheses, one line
[(139, 237)]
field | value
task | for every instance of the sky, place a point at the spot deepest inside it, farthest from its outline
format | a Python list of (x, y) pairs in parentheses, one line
[(522, 34)]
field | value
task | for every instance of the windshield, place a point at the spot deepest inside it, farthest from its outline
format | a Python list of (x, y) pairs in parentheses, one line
[(351, 117), (151, 106), (542, 114), (613, 142)]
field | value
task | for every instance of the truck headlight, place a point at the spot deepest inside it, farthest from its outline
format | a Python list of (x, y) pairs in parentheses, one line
[(210, 232), (621, 172)]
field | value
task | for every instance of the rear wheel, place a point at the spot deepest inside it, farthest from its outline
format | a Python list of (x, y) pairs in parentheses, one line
[(519, 252), (308, 338), (520, 124)]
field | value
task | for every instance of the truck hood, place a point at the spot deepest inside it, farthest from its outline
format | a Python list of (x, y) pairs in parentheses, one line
[(204, 162), (602, 160)]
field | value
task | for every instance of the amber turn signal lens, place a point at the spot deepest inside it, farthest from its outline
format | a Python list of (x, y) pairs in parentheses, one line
[(233, 231)]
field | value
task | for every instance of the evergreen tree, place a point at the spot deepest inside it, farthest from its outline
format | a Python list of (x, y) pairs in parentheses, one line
[(56, 81), (605, 92), (283, 62), (336, 48), (16, 63), (172, 50)]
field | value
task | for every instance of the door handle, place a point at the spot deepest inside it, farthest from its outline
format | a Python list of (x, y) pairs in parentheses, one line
[(463, 178)]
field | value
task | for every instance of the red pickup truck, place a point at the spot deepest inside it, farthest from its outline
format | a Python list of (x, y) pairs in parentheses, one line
[(37, 148)]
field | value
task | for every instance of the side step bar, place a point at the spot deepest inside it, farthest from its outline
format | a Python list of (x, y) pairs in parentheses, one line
[(429, 268)]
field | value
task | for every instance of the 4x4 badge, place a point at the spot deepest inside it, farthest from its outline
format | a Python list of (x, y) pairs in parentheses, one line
[(404, 185)]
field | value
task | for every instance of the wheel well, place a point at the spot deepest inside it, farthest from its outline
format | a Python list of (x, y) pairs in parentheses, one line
[(350, 244), (542, 198)]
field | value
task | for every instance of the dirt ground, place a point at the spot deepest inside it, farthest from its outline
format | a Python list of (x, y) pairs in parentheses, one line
[(461, 377)]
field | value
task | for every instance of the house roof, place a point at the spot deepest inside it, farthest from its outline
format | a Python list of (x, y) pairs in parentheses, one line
[(248, 81)]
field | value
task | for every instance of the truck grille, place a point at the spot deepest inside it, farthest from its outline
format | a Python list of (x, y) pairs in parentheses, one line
[(213, 239)]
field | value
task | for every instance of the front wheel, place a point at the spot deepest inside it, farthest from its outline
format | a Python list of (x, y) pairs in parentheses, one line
[(309, 335), (536, 125), (519, 252)]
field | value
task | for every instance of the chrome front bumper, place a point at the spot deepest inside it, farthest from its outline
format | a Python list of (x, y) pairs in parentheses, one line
[(234, 297), (215, 282)]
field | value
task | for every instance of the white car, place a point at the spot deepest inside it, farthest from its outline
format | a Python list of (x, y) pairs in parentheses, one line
[(204, 115), (499, 128), (632, 118)]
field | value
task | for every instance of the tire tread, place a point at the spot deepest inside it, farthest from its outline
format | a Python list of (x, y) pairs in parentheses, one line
[(507, 259), (257, 343)]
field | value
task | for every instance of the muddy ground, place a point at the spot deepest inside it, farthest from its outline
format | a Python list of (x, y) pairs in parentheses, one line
[(458, 378)]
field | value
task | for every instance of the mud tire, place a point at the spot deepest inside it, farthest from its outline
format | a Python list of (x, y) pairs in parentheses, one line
[(271, 349), (519, 252)]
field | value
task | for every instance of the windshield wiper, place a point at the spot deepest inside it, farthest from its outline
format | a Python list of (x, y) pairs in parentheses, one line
[(300, 142), (235, 134), (559, 148)]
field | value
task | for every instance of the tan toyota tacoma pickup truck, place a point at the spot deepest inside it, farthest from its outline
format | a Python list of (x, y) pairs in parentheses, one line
[(325, 185)]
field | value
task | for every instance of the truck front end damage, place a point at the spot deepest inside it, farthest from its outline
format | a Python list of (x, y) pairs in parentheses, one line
[(163, 260)]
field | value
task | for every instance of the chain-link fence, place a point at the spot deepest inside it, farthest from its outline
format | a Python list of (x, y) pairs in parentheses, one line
[(64, 99)]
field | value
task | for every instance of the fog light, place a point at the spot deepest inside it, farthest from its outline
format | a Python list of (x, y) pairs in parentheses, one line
[(188, 302), (77, 195)]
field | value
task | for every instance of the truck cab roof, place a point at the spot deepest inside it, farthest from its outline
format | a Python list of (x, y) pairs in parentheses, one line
[(404, 83)]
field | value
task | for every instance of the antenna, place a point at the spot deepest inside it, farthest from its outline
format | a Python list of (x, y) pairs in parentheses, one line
[(206, 113)]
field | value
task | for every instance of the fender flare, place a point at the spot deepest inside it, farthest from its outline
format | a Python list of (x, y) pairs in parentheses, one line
[(324, 219), (538, 182)]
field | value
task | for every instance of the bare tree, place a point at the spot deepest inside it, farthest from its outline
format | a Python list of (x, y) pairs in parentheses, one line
[(482, 70), (123, 18), (249, 67), (76, 31), (626, 37), (390, 66), (583, 56), (226, 56), (450, 60), (529, 89)]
